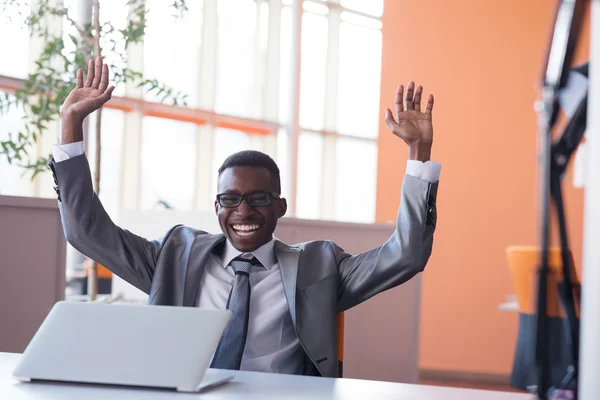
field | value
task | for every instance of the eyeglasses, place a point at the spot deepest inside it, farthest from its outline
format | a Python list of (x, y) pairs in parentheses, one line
[(256, 199)]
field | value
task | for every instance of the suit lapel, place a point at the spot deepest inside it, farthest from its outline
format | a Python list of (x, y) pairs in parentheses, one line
[(288, 258), (200, 252)]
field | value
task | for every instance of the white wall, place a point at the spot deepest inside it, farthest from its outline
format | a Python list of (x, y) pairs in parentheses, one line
[(590, 311)]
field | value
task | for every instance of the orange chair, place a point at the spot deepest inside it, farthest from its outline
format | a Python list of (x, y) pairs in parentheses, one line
[(340, 343), (524, 263), (104, 277)]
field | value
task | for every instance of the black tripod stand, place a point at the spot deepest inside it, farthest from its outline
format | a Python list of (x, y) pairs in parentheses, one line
[(554, 159)]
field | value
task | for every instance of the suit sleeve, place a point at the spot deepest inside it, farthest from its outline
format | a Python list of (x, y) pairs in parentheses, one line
[(404, 254), (89, 229)]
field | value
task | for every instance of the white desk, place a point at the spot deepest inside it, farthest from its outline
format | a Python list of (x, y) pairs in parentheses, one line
[(247, 385)]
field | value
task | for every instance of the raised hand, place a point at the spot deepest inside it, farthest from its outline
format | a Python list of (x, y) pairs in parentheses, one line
[(85, 99), (412, 125)]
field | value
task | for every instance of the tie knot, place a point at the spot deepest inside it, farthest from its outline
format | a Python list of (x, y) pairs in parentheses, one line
[(243, 265)]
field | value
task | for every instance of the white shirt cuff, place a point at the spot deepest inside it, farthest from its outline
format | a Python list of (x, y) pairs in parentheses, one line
[(428, 171), (63, 152)]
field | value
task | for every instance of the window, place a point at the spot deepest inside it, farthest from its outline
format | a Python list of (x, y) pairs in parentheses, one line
[(234, 59), (168, 163), (285, 65), (238, 58), (10, 181), (313, 71), (227, 142), (355, 200), (283, 162), (358, 80), (172, 48), (339, 103), (111, 157), (11, 26), (310, 167), (372, 7)]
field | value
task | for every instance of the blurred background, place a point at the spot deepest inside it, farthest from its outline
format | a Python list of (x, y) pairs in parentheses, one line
[(309, 84)]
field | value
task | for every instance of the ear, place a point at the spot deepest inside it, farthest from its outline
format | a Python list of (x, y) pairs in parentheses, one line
[(216, 207), (282, 207)]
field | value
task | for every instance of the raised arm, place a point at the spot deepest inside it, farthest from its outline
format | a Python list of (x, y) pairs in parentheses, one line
[(86, 224), (408, 249)]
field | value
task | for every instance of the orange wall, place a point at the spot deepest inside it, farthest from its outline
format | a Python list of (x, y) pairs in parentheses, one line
[(482, 60)]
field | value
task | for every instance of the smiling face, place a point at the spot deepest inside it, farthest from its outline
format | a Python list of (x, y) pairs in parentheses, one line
[(246, 227)]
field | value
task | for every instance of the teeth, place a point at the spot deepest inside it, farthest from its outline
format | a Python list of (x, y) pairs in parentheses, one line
[(246, 228)]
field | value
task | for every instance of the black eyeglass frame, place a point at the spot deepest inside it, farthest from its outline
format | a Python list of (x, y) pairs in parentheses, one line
[(242, 197)]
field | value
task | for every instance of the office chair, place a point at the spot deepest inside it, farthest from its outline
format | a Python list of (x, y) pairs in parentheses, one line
[(523, 263)]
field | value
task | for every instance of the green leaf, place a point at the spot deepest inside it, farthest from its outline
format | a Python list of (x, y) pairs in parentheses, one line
[(46, 88)]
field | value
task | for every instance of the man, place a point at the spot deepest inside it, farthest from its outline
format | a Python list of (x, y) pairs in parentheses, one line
[(284, 299)]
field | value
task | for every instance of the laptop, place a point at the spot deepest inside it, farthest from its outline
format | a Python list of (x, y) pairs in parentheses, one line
[(121, 344)]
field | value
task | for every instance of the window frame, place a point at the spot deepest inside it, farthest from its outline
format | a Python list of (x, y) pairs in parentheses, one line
[(263, 131)]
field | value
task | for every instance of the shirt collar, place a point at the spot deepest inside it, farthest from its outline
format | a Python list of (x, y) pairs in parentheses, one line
[(265, 254)]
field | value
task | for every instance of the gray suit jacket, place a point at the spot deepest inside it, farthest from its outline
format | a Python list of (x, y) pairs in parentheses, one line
[(319, 278)]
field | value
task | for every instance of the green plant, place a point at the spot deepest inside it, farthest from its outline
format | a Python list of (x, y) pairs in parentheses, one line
[(55, 71)]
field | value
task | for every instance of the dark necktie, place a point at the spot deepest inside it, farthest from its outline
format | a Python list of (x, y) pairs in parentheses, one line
[(231, 347)]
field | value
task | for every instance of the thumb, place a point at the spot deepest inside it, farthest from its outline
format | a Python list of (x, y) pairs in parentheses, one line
[(389, 119), (107, 93), (103, 98)]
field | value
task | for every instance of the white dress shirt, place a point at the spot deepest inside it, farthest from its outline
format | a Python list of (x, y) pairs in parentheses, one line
[(271, 343)]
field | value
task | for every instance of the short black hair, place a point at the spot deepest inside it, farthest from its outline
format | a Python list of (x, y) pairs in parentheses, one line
[(253, 158)]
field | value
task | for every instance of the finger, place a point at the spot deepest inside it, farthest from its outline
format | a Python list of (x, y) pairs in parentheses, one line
[(429, 106), (97, 73), (108, 93), (389, 120), (398, 100), (90, 75), (408, 100), (103, 98), (79, 78), (104, 78), (417, 99)]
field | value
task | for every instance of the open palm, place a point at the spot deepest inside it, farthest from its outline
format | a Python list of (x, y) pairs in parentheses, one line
[(411, 125), (85, 99)]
